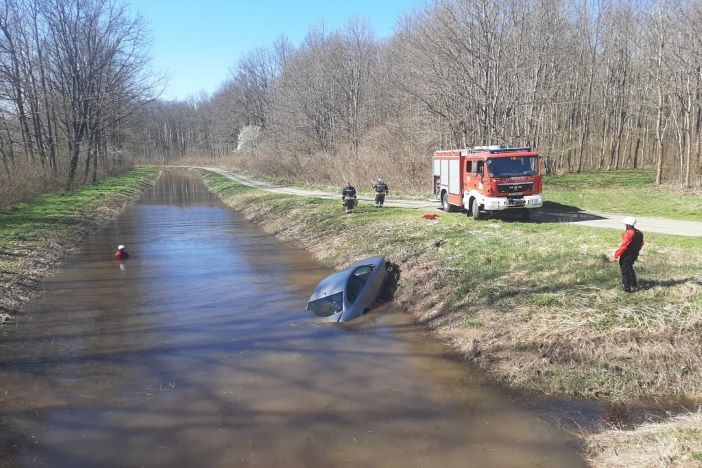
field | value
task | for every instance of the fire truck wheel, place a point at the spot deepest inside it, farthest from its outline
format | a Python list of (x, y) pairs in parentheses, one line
[(475, 210), (448, 207)]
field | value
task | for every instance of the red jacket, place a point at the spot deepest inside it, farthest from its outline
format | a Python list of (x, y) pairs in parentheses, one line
[(630, 241), (121, 255)]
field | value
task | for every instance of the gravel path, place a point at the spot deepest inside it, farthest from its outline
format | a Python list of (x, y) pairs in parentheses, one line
[(597, 220)]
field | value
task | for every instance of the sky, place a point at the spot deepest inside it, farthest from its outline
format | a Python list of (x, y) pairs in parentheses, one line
[(196, 43)]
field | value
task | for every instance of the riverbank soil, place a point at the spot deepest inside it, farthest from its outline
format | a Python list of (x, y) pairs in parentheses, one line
[(536, 305), (35, 236)]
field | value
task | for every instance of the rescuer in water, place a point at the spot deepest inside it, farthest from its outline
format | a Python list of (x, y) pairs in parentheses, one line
[(121, 253), (348, 197), (381, 189), (628, 252)]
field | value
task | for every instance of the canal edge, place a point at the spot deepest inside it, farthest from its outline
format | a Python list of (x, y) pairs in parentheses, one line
[(32, 251)]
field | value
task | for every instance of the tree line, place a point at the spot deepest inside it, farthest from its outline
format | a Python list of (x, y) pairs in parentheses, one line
[(72, 75), (592, 84)]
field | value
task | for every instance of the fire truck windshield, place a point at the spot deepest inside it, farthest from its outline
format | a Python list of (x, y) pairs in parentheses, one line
[(512, 167)]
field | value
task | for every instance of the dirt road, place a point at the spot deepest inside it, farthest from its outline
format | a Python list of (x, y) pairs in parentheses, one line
[(584, 218)]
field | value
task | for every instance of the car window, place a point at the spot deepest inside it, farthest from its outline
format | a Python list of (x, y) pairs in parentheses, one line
[(354, 288), (328, 305), (364, 272), (357, 281)]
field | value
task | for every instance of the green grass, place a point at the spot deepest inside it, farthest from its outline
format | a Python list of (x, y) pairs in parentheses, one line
[(24, 225), (537, 305), (547, 287), (35, 235), (622, 192)]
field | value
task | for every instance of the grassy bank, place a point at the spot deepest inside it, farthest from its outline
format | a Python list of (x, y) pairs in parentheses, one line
[(537, 305), (34, 236), (677, 442), (625, 192)]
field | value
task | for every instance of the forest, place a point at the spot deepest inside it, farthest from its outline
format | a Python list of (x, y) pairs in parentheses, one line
[(593, 85)]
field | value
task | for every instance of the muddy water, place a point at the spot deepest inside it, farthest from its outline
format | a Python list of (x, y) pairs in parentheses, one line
[(198, 351)]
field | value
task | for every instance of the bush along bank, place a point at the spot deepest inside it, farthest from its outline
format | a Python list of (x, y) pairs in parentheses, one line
[(35, 236)]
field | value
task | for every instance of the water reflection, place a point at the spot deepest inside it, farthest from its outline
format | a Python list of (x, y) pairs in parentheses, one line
[(200, 352)]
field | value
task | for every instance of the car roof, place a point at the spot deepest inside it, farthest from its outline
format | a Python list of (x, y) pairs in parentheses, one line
[(336, 282), (332, 284), (375, 261)]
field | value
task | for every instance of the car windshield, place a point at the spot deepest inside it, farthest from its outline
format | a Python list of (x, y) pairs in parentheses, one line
[(514, 166), (328, 305)]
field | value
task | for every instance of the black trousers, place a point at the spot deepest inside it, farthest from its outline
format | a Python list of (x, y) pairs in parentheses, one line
[(379, 199), (626, 265)]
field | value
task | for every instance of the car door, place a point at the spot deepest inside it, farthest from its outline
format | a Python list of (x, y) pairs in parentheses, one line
[(374, 285), (359, 290)]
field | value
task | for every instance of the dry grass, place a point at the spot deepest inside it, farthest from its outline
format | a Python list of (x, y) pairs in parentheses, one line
[(374, 158), (35, 236), (27, 182), (674, 443), (587, 341)]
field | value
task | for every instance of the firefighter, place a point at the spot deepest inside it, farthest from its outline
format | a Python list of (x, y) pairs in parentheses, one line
[(381, 190), (348, 197), (121, 253), (627, 253)]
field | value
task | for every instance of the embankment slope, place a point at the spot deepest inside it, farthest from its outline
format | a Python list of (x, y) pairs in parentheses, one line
[(536, 305), (35, 236)]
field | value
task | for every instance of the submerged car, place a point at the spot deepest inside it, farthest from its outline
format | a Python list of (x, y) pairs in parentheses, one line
[(349, 293)]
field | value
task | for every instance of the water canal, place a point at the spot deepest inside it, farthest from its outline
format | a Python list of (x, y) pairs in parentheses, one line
[(198, 351)]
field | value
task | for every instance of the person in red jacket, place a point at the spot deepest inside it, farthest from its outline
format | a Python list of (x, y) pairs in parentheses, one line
[(628, 252), (121, 253)]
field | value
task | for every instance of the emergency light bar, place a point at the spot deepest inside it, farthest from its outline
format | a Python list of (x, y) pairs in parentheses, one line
[(494, 149), (509, 150)]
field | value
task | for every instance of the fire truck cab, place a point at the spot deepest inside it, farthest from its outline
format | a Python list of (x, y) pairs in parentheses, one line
[(486, 179)]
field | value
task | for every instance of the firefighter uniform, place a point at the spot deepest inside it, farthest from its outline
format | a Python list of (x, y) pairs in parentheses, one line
[(628, 252), (348, 198), (381, 190)]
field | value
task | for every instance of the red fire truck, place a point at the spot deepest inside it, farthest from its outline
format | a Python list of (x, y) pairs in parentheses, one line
[(484, 179)]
